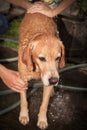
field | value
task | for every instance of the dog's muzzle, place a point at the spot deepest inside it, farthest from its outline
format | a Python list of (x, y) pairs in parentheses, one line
[(53, 80)]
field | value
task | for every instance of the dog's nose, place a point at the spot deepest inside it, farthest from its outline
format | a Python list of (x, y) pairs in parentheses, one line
[(53, 80)]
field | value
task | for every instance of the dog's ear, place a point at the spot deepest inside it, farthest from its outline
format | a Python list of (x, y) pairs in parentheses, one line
[(62, 60), (27, 57)]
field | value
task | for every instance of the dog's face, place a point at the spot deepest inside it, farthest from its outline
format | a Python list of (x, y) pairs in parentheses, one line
[(47, 54)]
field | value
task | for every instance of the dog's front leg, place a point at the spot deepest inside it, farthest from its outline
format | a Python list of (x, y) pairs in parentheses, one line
[(24, 115), (42, 116)]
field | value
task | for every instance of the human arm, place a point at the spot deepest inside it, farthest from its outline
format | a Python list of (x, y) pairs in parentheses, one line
[(21, 3), (12, 79), (44, 9), (62, 6)]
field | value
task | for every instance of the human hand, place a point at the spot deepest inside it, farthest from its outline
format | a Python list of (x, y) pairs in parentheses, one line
[(13, 81), (42, 8)]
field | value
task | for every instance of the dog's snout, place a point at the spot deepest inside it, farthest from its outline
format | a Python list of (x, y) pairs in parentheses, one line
[(53, 80)]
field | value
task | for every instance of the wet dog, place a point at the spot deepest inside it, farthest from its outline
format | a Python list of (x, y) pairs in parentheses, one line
[(40, 53)]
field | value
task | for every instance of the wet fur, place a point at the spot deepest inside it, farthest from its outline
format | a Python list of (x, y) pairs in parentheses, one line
[(38, 31)]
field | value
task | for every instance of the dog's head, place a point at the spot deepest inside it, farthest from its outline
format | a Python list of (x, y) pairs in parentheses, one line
[(47, 54)]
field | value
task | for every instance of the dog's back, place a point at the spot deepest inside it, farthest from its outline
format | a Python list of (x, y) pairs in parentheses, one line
[(40, 54), (36, 24)]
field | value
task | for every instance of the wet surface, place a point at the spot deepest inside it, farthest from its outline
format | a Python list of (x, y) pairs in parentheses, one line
[(66, 111)]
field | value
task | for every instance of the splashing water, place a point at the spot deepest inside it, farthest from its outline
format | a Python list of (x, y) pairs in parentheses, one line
[(61, 108)]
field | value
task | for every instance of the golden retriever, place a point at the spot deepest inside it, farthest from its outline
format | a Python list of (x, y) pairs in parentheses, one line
[(40, 53)]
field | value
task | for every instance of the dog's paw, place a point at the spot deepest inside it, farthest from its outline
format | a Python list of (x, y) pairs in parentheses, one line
[(24, 118), (42, 123)]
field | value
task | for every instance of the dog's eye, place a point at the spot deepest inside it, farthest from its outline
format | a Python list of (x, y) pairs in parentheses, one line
[(42, 59), (58, 58)]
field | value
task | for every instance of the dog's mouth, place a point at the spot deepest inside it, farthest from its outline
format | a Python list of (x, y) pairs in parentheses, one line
[(53, 81)]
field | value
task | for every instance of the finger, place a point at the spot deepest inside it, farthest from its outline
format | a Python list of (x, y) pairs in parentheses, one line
[(15, 89), (26, 85), (22, 87), (34, 10), (18, 89), (38, 7), (38, 3), (20, 82)]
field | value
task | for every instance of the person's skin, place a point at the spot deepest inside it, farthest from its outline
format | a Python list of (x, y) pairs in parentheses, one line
[(42, 8), (12, 80), (50, 12), (21, 3)]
